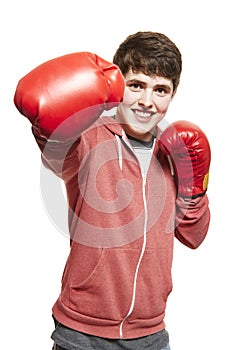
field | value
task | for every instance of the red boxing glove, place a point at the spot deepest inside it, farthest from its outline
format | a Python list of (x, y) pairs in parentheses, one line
[(52, 95), (189, 150)]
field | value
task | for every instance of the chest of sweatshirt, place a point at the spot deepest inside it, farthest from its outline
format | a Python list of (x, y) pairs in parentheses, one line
[(108, 194)]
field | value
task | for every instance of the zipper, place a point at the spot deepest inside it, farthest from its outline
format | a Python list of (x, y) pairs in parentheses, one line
[(144, 180)]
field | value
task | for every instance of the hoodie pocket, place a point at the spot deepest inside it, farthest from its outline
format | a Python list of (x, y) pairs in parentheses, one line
[(106, 293), (154, 285)]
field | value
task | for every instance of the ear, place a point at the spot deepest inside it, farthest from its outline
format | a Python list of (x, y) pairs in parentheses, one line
[(173, 94)]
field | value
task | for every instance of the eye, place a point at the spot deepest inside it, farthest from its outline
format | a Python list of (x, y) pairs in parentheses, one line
[(161, 91), (135, 86)]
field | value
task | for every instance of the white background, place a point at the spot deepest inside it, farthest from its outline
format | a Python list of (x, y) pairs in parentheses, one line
[(33, 251)]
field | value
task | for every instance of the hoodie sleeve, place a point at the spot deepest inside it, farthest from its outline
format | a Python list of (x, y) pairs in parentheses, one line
[(57, 156), (192, 220)]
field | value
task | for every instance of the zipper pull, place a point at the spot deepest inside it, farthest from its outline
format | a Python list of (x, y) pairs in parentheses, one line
[(144, 181)]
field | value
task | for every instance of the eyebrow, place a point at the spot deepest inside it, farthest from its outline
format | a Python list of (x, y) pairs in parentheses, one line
[(136, 81), (164, 86)]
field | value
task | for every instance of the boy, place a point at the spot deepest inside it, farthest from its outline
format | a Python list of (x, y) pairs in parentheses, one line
[(131, 187)]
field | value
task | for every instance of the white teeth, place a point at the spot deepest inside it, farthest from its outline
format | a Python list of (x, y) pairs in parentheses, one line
[(143, 114)]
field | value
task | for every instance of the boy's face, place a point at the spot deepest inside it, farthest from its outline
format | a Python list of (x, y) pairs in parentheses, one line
[(145, 103)]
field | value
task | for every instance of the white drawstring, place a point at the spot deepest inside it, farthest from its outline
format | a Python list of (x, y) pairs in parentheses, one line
[(119, 151), (171, 165)]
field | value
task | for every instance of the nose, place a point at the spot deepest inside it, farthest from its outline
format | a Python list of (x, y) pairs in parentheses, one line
[(146, 99)]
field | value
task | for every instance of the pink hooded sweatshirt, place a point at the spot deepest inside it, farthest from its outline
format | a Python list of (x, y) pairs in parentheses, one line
[(122, 226)]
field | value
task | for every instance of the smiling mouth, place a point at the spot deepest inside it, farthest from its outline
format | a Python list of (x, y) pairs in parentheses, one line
[(142, 115)]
